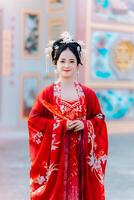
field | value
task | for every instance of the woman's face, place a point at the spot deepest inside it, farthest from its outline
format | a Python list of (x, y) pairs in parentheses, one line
[(67, 65)]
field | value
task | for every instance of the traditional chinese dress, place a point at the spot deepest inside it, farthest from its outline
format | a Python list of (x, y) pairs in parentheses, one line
[(67, 165)]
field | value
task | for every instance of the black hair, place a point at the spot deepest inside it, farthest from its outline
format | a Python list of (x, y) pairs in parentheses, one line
[(59, 46)]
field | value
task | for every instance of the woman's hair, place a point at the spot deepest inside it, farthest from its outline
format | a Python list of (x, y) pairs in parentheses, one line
[(59, 46)]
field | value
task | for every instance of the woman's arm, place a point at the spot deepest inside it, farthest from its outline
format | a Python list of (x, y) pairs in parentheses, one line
[(41, 124)]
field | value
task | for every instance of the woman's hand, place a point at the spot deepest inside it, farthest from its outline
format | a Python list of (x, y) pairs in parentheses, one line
[(77, 125), (70, 125)]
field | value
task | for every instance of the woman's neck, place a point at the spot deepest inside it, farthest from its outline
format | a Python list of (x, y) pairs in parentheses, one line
[(68, 82)]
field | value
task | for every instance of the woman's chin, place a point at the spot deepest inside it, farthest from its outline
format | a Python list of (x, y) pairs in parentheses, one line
[(67, 75)]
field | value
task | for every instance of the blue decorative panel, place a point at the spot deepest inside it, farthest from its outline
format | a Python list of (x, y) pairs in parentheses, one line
[(114, 11), (117, 104), (112, 55)]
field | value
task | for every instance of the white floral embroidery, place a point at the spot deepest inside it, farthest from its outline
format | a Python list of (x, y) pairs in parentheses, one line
[(52, 167), (43, 179), (54, 144), (57, 89), (91, 135), (56, 124), (37, 137), (95, 162), (79, 89), (40, 180), (96, 165), (38, 141), (62, 108)]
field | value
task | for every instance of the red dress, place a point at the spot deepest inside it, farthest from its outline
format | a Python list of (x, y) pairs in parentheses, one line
[(67, 165)]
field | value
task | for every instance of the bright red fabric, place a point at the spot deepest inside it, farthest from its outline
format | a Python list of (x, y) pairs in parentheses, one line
[(66, 165)]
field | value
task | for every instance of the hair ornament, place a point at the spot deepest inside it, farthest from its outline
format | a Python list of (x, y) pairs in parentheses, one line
[(49, 48), (81, 43), (56, 47), (66, 38), (78, 48), (84, 51)]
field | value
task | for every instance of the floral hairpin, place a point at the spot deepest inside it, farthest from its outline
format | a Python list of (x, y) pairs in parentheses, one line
[(66, 37), (49, 48), (83, 52)]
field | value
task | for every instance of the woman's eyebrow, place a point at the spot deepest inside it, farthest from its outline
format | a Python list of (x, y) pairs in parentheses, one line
[(65, 59), (62, 59)]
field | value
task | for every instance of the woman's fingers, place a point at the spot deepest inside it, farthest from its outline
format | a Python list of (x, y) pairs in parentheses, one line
[(75, 124), (79, 126), (70, 124)]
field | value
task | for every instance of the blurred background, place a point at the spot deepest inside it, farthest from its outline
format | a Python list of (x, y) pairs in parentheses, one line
[(107, 28)]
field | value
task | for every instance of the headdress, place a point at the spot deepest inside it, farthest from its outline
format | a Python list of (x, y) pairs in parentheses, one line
[(66, 38)]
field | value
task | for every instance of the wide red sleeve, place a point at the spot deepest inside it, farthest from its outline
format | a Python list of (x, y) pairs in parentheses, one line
[(39, 122), (95, 146), (45, 142), (98, 124)]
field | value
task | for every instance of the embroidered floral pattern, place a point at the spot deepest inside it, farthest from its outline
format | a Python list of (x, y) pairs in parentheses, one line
[(74, 110), (52, 167), (37, 137), (56, 124), (57, 89), (49, 169), (91, 135), (63, 151), (96, 165), (95, 161), (40, 180), (79, 89), (55, 143)]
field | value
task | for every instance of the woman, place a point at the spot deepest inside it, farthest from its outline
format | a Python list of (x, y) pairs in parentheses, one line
[(67, 134)]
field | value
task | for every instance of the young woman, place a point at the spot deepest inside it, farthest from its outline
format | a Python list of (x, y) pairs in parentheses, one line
[(67, 134)]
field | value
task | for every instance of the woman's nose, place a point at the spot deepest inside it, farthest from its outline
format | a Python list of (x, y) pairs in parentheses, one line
[(67, 65)]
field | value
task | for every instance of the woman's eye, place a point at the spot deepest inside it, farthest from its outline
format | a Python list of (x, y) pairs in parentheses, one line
[(72, 61), (62, 61)]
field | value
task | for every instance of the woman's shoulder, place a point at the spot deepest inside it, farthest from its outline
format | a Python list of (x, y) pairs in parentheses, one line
[(48, 88), (46, 91), (88, 89)]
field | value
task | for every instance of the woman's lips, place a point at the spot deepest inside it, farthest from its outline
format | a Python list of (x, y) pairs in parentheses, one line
[(66, 70)]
